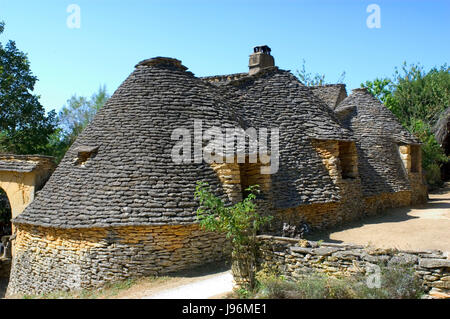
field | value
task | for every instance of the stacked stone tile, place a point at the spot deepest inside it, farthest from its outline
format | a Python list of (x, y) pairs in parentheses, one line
[(332, 94), (23, 163)]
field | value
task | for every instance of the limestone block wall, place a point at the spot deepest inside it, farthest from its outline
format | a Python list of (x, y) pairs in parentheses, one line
[(229, 176), (293, 258), (419, 193), (48, 259), (411, 156), (236, 177), (379, 203), (19, 187)]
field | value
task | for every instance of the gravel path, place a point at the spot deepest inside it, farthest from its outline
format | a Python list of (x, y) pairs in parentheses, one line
[(203, 289)]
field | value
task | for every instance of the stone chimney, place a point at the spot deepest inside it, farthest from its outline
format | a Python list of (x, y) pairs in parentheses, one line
[(260, 59)]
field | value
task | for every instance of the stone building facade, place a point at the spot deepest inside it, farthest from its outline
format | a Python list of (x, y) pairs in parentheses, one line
[(119, 206), (21, 176)]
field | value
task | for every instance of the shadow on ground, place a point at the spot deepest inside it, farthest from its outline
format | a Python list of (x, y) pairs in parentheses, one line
[(204, 270)]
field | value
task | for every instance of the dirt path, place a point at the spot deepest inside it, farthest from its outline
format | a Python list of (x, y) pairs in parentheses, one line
[(421, 227), (202, 288), (209, 281)]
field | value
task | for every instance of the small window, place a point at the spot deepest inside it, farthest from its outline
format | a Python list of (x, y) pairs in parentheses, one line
[(348, 160), (84, 153)]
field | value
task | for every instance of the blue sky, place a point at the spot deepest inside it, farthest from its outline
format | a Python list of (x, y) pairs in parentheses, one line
[(216, 37)]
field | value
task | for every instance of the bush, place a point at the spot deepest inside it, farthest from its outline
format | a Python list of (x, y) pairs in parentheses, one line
[(239, 222), (397, 282), (314, 286), (433, 175)]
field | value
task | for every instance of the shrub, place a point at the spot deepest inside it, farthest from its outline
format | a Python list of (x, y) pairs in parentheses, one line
[(240, 222), (397, 282), (314, 286), (433, 175)]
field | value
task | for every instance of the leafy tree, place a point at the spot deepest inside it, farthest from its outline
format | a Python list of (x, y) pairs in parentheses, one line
[(24, 126), (240, 222), (417, 98), (74, 117), (310, 79), (79, 111), (381, 89)]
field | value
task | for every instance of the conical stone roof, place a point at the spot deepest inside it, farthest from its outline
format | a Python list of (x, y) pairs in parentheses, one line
[(130, 178), (378, 135)]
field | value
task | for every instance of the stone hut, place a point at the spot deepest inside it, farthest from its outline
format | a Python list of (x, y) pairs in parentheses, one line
[(389, 157), (119, 205)]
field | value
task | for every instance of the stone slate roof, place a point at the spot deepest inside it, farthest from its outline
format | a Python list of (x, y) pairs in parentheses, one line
[(276, 98), (21, 163), (131, 179), (332, 94), (378, 134), (17, 166), (120, 172), (223, 79)]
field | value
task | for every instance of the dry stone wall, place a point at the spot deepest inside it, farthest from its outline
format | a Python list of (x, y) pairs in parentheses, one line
[(294, 258), (50, 259)]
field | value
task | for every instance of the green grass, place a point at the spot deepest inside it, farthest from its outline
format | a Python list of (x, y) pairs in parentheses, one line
[(109, 290)]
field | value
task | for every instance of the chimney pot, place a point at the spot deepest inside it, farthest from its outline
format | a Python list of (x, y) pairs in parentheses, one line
[(260, 59)]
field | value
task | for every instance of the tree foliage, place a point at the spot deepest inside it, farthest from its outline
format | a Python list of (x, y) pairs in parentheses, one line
[(74, 117), (79, 111), (309, 79), (417, 98), (25, 128)]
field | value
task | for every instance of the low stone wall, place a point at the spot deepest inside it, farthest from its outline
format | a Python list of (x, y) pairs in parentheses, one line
[(352, 206), (294, 258), (48, 259), (379, 203)]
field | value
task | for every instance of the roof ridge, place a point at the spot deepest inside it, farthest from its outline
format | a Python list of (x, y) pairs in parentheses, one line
[(164, 62)]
